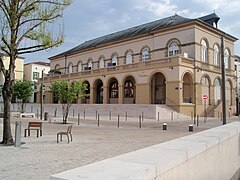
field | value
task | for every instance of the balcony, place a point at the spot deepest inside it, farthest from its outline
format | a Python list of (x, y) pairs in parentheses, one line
[(125, 68)]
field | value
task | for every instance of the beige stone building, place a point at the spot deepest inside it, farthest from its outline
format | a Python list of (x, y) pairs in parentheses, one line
[(172, 61), (18, 70)]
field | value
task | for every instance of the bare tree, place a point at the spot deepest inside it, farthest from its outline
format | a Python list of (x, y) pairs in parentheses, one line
[(26, 26)]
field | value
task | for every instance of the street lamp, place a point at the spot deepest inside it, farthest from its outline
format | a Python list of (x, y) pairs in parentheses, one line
[(223, 82)]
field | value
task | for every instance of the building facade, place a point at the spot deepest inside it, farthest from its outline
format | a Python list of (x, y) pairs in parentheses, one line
[(173, 61), (18, 69), (32, 72)]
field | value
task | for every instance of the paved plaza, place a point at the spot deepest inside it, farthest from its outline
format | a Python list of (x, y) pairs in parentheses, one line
[(39, 158)]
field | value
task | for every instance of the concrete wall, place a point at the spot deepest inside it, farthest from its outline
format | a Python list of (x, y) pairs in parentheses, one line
[(211, 154)]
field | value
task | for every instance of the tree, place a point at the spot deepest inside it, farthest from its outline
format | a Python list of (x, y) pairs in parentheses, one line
[(67, 93), (26, 26), (22, 90)]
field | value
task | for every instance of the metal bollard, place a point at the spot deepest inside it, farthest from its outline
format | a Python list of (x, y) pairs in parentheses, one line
[(158, 116), (110, 115), (98, 120), (78, 118), (17, 134), (118, 121), (140, 124)]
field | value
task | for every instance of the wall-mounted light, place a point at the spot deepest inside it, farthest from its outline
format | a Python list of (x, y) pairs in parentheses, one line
[(170, 68)]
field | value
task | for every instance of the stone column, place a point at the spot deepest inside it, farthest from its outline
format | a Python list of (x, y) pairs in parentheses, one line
[(92, 95), (105, 95), (120, 94)]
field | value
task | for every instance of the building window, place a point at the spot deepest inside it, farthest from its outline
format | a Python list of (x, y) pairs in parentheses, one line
[(70, 68), (79, 67), (90, 65), (114, 60), (145, 54), (35, 75), (173, 48), (226, 59), (129, 57), (216, 55), (114, 90), (101, 62), (128, 89), (204, 51)]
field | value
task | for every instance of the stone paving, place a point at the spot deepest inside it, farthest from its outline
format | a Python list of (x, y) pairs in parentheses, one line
[(39, 158)]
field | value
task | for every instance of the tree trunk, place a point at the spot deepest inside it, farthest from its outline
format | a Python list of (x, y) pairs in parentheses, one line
[(7, 96)]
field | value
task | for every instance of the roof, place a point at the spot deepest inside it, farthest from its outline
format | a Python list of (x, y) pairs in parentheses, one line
[(137, 31), (39, 63)]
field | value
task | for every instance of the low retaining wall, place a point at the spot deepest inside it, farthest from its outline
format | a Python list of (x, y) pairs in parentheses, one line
[(210, 154)]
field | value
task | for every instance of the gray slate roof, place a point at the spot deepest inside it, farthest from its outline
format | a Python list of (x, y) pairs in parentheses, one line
[(139, 30)]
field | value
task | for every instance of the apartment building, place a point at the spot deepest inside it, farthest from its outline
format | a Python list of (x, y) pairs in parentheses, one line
[(32, 72), (175, 61)]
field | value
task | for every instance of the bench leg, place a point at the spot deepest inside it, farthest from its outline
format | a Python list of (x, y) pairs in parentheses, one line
[(25, 132), (37, 133), (28, 132), (71, 136), (68, 138), (61, 137), (57, 138), (40, 132)]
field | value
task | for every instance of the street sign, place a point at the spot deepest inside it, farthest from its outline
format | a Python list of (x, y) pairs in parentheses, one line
[(205, 97)]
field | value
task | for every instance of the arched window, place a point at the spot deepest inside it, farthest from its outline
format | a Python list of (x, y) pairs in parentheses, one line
[(128, 89), (173, 48), (114, 89), (216, 55), (204, 51), (79, 66), (226, 59), (114, 60), (70, 68), (90, 64), (101, 62), (57, 67), (129, 57), (145, 54)]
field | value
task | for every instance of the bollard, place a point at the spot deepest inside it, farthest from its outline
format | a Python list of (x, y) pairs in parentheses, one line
[(172, 116), (164, 126), (55, 112), (126, 116), (17, 134), (84, 113), (158, 116), (118, 121), (37, 113), (140, 124), (73, 113), (142, 116), (78, 118), (197, 119), (109, 115), (98, 120), (190, 127), (46, 116)]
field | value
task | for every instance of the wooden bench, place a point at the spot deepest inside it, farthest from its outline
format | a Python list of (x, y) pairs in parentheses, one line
[(34, 126), (67, 133)]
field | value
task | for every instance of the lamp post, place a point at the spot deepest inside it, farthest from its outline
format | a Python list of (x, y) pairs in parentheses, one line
[(41, 99), (223, 82)]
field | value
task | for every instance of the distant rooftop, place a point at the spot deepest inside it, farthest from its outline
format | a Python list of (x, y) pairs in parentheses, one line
[(139, 30), (39, 63)]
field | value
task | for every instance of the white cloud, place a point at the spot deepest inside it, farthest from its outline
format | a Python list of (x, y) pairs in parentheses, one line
[(158, 8), (225, 6)]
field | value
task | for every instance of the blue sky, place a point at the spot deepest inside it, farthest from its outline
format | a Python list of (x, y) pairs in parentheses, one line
[(85, 20)]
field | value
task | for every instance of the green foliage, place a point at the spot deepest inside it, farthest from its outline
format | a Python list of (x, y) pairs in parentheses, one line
[(22, 90), (67, 93)]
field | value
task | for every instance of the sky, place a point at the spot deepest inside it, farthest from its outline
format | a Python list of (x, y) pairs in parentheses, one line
[(88, 19)]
